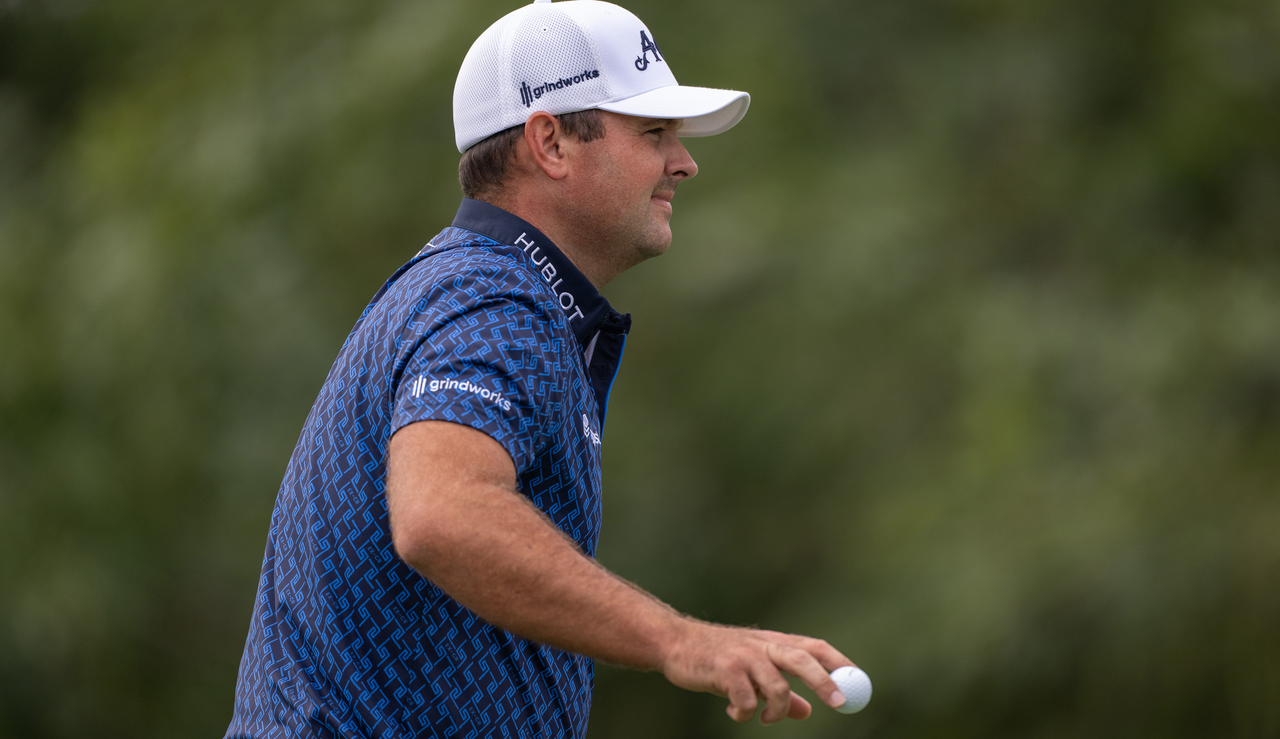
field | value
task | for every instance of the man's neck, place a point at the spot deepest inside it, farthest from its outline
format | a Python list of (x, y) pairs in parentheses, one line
[(547, 220)]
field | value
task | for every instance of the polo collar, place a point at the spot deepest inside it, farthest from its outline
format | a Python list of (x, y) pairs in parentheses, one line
[(582, 302)]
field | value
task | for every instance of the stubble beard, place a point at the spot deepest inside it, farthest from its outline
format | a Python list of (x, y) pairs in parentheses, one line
[(627, 239), (653, 236)]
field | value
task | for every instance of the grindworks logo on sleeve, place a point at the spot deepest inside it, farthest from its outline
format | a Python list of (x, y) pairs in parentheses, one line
[(529, 94), (422, 384)]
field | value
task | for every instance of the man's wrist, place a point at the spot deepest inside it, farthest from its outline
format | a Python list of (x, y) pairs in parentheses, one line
[(678, 631)]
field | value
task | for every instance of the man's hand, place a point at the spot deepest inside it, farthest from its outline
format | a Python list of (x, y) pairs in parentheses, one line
[(457, 518), (746, 664)]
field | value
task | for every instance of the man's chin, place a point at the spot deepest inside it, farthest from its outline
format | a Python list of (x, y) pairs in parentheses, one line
[(652, 241), (655, 247)]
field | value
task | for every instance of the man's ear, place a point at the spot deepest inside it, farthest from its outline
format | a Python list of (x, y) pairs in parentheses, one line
[(546, 141)]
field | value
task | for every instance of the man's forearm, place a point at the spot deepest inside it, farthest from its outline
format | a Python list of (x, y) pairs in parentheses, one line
[(504, 560), (456, 518)]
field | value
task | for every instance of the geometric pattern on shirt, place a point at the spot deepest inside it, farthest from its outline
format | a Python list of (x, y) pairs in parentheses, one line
[(346, 640)]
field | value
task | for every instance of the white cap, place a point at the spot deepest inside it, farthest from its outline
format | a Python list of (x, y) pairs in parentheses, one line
[(575, 55)]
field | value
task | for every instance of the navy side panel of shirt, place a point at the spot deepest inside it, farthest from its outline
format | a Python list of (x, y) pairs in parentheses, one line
[(489, 326)]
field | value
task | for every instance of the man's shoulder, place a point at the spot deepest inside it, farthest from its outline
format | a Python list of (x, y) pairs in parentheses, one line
[(461, 260), (460, 273)]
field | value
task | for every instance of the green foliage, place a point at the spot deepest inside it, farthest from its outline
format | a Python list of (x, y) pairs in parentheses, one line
[(966, 356)]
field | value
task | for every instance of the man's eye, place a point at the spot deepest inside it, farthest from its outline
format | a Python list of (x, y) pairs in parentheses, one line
[(656, 130)]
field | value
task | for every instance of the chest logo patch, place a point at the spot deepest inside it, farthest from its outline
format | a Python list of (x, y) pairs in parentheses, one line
[(592, 436)]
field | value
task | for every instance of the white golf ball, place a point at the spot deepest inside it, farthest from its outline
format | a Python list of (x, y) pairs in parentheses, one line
[(856, 687)]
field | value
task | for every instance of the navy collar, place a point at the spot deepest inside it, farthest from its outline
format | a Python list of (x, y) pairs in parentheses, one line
[(582, 302)]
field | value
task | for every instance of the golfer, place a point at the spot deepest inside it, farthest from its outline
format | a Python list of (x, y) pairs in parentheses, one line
[(429, 570)]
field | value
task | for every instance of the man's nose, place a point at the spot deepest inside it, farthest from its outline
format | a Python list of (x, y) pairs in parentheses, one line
[(680, 164)]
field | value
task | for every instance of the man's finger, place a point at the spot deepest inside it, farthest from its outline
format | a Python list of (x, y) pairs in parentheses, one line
[(828, 656), (774, 688), (742, 700), (800, 708), (803, 665)]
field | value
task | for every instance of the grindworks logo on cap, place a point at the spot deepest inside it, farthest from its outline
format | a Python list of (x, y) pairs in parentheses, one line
[(529, 94), (646, 46)]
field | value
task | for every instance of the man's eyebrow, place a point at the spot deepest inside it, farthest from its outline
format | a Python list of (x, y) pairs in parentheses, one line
[(673, 123)]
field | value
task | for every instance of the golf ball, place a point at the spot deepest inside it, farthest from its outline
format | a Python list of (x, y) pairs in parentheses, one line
[(856, 687)]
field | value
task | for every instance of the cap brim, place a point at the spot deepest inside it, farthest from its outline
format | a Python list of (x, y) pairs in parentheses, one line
[(705, 111)]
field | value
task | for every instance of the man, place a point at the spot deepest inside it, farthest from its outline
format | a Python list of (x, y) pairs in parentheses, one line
[(429, 570)]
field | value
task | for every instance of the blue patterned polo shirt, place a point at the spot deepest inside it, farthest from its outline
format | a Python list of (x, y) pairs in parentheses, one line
[(490, 326)]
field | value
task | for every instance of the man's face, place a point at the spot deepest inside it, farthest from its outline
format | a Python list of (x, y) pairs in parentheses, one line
[(624, 185)]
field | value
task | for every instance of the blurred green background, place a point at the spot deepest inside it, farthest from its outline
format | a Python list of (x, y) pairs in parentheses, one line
[(966, 356)]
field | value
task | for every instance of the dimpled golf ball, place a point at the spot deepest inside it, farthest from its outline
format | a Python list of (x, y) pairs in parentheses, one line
[(856, 687)]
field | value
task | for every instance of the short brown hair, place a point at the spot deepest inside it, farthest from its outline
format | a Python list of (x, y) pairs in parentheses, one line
[(483, 169)]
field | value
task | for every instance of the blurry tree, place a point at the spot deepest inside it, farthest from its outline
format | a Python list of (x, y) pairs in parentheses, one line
[(966, 355)]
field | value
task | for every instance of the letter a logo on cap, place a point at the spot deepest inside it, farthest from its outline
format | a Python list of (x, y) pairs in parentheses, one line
[(646, 46)]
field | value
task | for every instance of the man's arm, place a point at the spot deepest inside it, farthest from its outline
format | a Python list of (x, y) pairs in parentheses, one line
[(457, 518)]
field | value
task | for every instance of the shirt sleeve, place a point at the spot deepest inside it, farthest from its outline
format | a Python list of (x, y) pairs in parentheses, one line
[(494, 364)]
